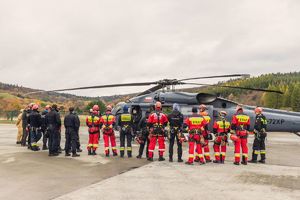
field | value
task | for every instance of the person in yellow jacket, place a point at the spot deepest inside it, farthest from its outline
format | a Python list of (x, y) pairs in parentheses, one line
[(20, 128)]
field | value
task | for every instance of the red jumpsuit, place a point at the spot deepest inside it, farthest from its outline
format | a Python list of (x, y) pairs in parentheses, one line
[(241, 124), (221, 129), (107, 123), (196, 124), (157, 121), (205, 135), (93, 122)]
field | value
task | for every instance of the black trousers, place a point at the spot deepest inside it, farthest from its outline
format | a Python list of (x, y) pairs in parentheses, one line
[(128, 136), (45, 137), (142, 145), (53, 140), (24, 136), (71, 140), (259, 147), (173, 136)]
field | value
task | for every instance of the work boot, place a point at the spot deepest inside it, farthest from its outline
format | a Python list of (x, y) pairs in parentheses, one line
[(94, 153), (138, 156), (208, 161), (197, 160), (244, 161), (107, 154), (89, 152), (122, 154), (79, 150), (45, 148), (252, 161), (201, 163), (217, 161), (115, 154), (222, 161), (161, 158), (188, 163), (75, 155), (129, 154), (236, 163), (67, 154), (170, 159), (262, 161), (54, 154), (180, 160), (150, 159)]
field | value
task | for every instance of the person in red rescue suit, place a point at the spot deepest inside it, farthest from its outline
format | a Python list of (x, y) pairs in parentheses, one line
[(220, 129), (196, 125), (157, 122), (207, 136), (240, 125), (93, 122), (107, 123)]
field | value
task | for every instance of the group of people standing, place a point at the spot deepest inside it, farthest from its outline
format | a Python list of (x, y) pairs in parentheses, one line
[(153, 128)]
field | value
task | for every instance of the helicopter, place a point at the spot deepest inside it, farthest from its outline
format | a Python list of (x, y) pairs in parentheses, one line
[(164, 92)]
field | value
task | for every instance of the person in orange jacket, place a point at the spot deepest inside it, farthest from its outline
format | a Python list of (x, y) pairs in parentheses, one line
[(93, 122), (107, 123), (221, 128), (157, 122), (206, 134), (240, 126), (196, 125)]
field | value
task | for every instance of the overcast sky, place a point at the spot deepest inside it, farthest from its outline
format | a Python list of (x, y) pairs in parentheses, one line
[(69, 43)]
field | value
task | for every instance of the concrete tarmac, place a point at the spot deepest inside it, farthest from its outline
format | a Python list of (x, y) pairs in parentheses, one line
[(26, 175)]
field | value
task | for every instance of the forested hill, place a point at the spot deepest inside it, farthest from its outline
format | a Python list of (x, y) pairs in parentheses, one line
[(288, 83)]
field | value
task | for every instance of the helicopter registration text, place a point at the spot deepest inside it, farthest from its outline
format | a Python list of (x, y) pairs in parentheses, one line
[(276, 121)]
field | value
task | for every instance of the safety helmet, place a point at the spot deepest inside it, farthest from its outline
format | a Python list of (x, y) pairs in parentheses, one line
[(239, 108), (176, 107), (234, 138), (125, 108), (35, 107), (47, 107), (194, 110), (95, 108), (157, 105), (222, 113), (108, 108), (258, 110), (202, 107)]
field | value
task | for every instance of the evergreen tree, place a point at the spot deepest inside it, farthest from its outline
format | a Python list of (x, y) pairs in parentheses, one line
[(295, 100)]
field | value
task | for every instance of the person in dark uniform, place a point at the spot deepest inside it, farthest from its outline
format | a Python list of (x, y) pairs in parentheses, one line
[(35, 122), (259, 146), (137, 116), (125, 123), (25, 116), (44, 127), (72, 124), (53, 122), (176, 123), (143, 136)]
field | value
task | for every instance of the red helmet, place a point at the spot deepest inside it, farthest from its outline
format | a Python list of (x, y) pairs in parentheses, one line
[(258, 110), (96, 108), (239, 108), (157, 105), (35, 107), (202, 107), (108, 108), (234, 138)]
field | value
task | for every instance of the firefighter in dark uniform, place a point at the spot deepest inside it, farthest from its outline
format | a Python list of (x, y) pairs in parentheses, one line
[(260, 134), (25, 116), (53, 122), (143, 136), (126, 127), (137, 116), (176, 123), (44, 127), (35, 122), (72, 124)]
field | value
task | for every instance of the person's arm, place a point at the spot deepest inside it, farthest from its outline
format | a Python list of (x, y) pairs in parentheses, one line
[(76, 122)]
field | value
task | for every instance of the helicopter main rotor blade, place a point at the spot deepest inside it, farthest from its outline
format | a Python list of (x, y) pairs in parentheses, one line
[(235, 87), (218, 76), (153, 89), (96, 87)]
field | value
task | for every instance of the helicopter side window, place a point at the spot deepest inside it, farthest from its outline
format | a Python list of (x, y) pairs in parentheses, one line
[(224, 105)]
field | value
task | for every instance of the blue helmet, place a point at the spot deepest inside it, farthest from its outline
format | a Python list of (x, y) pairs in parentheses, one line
[(176, 107), (125, 108)]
